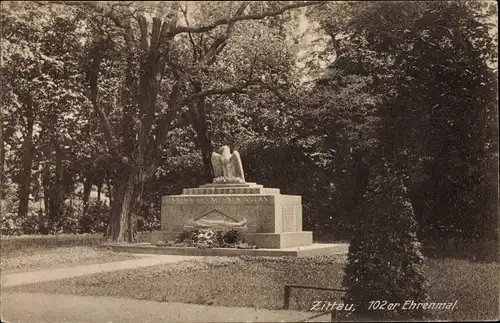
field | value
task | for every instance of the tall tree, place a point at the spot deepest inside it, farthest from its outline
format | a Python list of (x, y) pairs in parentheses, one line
[(18, 97), (433, 65), (46, 105), (157, 86), (36, 76)]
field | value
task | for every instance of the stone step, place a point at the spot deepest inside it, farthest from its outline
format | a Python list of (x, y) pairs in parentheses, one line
[(219, 185), (315, 249), (230, 190)]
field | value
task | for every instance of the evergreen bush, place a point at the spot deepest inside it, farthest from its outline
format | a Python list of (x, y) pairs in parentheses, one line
[(384, 259)]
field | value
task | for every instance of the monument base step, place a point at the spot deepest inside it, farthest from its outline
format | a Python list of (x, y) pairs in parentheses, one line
[(261, 240), (280, 240), (317, 249)]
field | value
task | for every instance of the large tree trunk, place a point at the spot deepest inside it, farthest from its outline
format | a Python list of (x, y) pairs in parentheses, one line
[(126, 201), (25, 180), (111, 201), (133, 215), (46, 199), (198, 117), (46, 188), (56, 192), (120, 208), (99, 190), (206, 154), (87, 189)]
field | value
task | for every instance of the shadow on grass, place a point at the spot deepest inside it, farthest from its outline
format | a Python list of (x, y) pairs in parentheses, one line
[(486, 251), (476, 251)]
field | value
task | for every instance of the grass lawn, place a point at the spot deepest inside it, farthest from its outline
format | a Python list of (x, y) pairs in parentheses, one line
[(259, 282), (31, 244), (36, 259), (34, 252)]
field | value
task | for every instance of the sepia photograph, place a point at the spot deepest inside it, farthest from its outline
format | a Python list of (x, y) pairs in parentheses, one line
[(249, 161)]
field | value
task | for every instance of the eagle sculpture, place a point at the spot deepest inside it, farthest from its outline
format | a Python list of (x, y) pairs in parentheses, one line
[(227, 167)]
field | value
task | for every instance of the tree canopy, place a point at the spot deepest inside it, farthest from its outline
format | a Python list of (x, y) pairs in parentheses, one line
[(131, 98)]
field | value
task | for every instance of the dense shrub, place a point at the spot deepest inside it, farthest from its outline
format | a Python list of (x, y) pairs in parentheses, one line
[(31, 224), (72, 219), (95, 219), (384, 259), (68, 222), (11, 224), (149, 221)]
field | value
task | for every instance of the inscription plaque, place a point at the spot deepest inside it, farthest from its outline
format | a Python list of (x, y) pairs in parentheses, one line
[(216, 199)]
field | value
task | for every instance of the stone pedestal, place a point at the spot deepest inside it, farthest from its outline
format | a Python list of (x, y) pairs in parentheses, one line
[(272, 220)]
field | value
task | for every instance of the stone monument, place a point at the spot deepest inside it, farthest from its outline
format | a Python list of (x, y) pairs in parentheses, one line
[(269, 219)]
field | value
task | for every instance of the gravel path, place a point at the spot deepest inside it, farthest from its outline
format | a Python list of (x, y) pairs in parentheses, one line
[(75, 271), (54, 308)]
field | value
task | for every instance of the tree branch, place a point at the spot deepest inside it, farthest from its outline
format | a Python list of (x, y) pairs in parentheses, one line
[(191, 39), (281, 98), (93, 74), (436, 47), (155, 146), (143, 27), (226, 21), (218, 91), (219, 43)]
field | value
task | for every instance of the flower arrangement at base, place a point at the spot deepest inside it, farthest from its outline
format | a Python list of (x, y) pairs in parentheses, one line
[(210, 238)]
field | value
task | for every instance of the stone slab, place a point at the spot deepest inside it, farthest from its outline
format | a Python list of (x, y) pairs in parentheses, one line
[(319, 249)]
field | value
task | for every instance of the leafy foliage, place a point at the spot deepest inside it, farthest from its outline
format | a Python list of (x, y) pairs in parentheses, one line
[(132, 68), (416, 65), (395, 70)]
